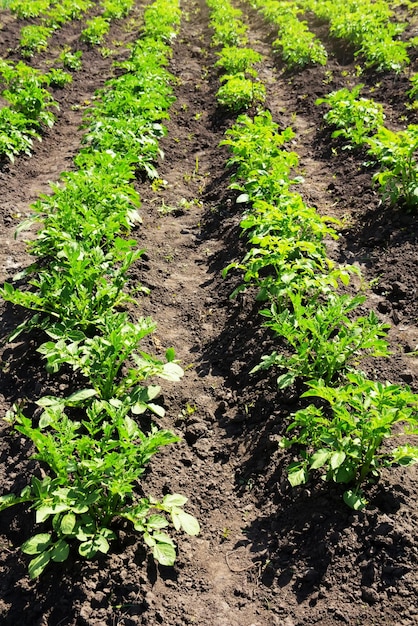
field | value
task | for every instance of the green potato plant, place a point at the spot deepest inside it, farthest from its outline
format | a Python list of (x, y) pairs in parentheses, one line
[(34, 39), (25, 9), (71, 60), (234, 60), (97, 463), (354, 118), (96, 30), (327, 342), (101, 357), (395, 152), (345, 438), (239, 93)]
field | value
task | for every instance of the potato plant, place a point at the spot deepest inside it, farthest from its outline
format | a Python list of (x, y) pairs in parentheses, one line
[(91, 443), (360, 121), (347, 437), (368, 26), (324, 339), (297, 45), (28, 110), (354, 118)]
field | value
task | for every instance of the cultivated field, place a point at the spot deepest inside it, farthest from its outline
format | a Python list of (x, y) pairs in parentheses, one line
[(180, 266)]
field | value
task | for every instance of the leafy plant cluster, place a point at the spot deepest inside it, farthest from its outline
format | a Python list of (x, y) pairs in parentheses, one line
[(322, 331), (25, 9), (28, 110), (413, 92), (34, 38), (360, 121), (92, 443), (240, 87), (98, 27), (298, 46), (368, 26)]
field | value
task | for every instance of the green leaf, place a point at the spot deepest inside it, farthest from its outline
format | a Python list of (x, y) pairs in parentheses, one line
[(102, 544), (157, 409), (337, 459), (8, 500), (172, 371), (60, 551), (173, 499), (285, 380), (242, 198), (170, 354), (49, 401), (164, 553), (319, 458), (38, 564), (156, 522), (44, 512), (68, 523), (36, 544), (355, 500), (187, 522), (81, 395), (87, 549), (298, 477)]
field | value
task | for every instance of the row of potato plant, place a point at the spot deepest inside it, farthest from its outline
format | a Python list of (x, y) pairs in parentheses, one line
[(91, 442), (240, 88), (360, 121), (98, 27), (297, 45), (324, 339), (28, 110), (369, 26), (34, 38), (26, 9)]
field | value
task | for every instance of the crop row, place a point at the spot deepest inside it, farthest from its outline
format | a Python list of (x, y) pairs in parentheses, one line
[(34, 38), (367, 25), (90, 442), (28, 110), (360, 122), (240, 88), (322, 338), (298, 47)]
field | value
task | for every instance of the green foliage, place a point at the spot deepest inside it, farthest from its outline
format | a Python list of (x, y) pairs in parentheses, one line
[(368, 26), (344, 437), (116, 9), (71, 60), (25, 9), (287, 254), (15, 134), (354, 118), (229, 29), (396, 153), (101, 357), (298, 46), (97, 29), (263, 167), (34, 39), (97, 463), (28, 110), (58, 77), (413, 92), (234, 60), (239, 93), (92, 443), (325, 338)]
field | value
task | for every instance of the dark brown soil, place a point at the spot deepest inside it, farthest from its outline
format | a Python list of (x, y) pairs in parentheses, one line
[(267, 554)]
